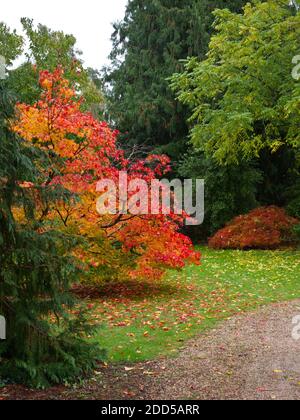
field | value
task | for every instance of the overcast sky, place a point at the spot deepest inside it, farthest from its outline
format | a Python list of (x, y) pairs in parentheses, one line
[(89, 20)]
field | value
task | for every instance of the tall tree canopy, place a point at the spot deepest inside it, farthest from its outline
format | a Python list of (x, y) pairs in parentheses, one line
[(243, 97), (147, 47), (244, 114)]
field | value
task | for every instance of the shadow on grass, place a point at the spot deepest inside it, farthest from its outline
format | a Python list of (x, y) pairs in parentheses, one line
[(133, 290)]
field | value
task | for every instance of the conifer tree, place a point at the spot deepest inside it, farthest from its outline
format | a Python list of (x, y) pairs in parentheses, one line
[(147, 48), (44, 343)]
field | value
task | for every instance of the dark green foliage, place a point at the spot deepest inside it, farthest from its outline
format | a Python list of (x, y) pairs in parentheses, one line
[(229, 190), (297, 232), (293, 207), (147, 47), (24, 81), (46, 340), (280, 177)]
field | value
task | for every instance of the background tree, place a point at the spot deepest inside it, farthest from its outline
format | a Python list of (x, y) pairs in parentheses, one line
[(147, 47), (47, 50), (244, 101), (244, 98)]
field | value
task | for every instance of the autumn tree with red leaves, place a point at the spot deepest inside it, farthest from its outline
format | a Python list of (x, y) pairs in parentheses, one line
[(81, 151)]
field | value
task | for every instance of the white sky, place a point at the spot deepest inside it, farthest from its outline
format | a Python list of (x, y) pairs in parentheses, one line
[(88, 20)]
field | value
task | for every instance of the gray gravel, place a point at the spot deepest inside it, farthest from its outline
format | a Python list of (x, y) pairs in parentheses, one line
[(248, 357)]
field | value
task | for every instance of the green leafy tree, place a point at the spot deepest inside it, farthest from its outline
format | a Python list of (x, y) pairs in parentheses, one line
[(11, 44), (47, 50), (245, 111), (243, 97), (147, 47), (45, 343)]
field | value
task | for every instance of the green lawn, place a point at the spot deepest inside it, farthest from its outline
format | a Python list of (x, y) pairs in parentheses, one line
[(144, 321)]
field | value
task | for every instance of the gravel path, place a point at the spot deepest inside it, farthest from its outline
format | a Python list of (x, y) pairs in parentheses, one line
[(251, 356)]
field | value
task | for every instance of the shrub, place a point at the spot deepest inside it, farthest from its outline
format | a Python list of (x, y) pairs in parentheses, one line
[(262, 228), (229, 190)]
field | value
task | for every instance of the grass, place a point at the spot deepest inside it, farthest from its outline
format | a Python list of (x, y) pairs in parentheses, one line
[(145, 321)]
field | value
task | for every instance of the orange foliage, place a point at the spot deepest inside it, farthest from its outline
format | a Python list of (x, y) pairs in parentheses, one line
[(81, 152)]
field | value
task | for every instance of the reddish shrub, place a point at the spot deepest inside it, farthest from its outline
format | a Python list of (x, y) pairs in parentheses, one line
[(262, 228)]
